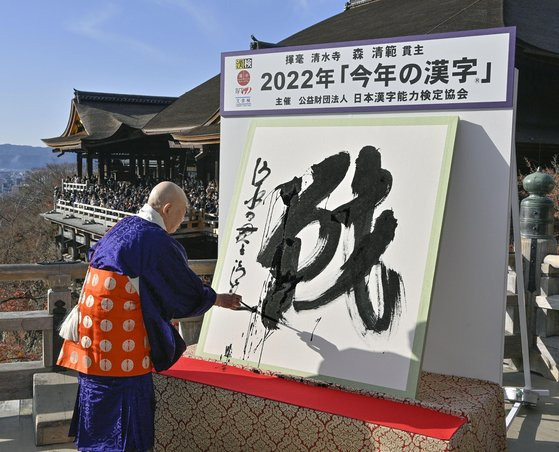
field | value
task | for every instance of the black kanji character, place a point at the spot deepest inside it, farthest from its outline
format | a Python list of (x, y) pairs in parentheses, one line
[(280, 252)]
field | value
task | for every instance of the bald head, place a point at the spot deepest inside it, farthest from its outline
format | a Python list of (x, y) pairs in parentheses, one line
[(165, 192), (171, 203)]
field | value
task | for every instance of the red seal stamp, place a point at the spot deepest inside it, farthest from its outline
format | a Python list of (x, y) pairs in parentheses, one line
[(243, 78)]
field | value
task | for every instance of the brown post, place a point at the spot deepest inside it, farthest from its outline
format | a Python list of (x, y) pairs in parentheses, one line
[(89, 162), (159, 168), (109, 167), (132, 168), (173, 167), (167, 166), (101, 164), (182, 165), (79, 164), (146, 167)]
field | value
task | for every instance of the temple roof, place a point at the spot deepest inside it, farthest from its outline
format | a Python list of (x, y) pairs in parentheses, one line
[(192, 109), (537, 34), (376, 19), (194, 113), (537, 23), (206, 134), (100, 116), (388, 18), (89, 96)]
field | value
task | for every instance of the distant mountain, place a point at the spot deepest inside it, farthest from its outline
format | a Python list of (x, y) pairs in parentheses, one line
[(17, 157)]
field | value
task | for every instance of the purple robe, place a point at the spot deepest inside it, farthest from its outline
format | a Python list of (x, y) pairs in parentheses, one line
[(168, 287), (116, 413)]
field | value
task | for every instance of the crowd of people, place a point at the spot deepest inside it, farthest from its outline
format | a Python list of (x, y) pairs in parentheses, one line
[(131, 196)]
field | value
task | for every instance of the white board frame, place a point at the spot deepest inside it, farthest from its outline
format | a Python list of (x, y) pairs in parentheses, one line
[(466, 332), (392, 126)]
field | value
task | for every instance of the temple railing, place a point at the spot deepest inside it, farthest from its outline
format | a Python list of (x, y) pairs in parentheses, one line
[(16, 378), (73, 186), (197, 221), (103, 215)]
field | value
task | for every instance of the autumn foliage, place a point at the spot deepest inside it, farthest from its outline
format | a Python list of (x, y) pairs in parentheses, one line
[(25, 237)]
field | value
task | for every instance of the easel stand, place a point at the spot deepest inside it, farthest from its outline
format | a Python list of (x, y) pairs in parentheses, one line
[(526, 396)]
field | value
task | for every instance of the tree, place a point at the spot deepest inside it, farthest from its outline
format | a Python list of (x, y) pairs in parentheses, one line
[(25, 237)]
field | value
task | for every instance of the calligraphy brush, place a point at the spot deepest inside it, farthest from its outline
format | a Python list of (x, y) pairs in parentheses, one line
[(254, 310)]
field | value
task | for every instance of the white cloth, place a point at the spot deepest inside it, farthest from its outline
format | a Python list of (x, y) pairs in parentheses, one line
[(69, 327), (150, 214)]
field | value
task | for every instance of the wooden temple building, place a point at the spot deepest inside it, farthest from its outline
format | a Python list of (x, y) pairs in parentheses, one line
[(133, 136), (107, 131), (129, 138), (149, 135)]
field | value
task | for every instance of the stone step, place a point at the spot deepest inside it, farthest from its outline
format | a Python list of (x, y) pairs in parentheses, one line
[(550, 302), (549, 285), (547, 318), (549, 267), (54, 396), (549, 350)]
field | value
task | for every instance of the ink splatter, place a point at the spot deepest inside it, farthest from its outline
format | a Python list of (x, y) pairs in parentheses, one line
[(227, 354)]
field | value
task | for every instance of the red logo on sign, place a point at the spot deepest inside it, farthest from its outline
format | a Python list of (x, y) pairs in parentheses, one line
[(243, 78)]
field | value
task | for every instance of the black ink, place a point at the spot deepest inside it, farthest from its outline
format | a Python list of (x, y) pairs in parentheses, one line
[(226, 355), (237, 274), (280, 253), (246, 230), (260, 174), (258, 177), (250, 215)]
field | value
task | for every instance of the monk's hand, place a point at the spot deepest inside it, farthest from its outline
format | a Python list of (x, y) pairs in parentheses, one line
[(228, 300)]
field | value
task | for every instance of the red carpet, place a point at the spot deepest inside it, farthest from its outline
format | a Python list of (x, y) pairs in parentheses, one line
[(389, 413)]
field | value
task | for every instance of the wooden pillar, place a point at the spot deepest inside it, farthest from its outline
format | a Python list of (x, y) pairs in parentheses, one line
[(173, 172), (109, 167), (182, 166), (167, 166), (132, 168), (89, 162), (87, 242), (101, 165), (159, 169), (146, 167), (79, 165), (60, 243), (74, 245)]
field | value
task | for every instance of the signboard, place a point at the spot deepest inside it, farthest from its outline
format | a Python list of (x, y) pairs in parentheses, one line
[(467, 294), (319, 247), (430, 72)]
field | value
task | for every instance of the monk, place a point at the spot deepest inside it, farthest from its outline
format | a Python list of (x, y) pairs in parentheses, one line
[(138, 280)]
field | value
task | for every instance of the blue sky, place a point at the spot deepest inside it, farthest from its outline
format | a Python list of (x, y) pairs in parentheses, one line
[(153, 47)]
